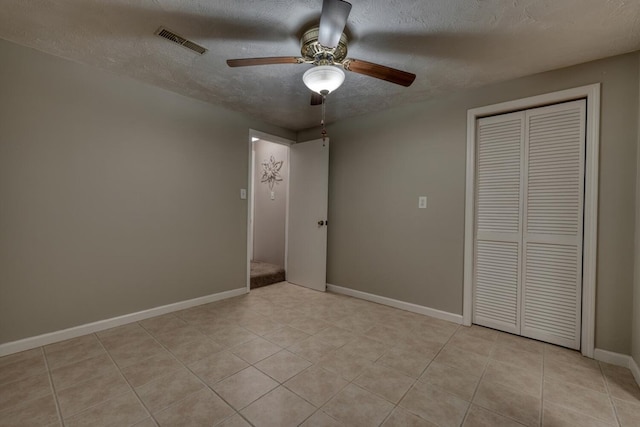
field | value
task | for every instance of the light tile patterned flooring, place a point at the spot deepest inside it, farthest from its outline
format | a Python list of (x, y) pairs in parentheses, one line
[(284, 355)]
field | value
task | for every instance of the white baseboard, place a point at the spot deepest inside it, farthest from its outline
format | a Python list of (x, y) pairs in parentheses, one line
[(415, 308), (612, 358), (101, 325), (618, 360)]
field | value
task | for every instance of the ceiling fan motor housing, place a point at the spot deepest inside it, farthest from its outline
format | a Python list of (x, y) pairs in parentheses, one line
[(314, 52)]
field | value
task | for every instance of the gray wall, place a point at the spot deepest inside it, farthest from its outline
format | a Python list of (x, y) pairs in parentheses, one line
[(269, 218), (381, 243), (115, 196)]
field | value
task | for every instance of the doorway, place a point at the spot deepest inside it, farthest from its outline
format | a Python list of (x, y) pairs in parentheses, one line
[(269, 195)]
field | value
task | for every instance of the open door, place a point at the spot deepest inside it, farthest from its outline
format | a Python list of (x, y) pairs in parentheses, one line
[(307, 236)]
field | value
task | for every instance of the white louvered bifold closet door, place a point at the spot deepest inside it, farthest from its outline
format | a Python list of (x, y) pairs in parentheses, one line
[(498, 227), (553, 223), (529, 222)]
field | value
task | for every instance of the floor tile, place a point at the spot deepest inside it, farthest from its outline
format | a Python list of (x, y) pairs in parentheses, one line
[(520, 379), (621, 383), (72, 351), (312, 348), (147, 422), (385, 382), (450, 379), (365, 347), (402, 418), (477, 331), (522, 359), (321, 419), (480, 417), (163, 324), (122, 336), (136, 351), (518, 343), (509, 402), (278, 408), (435, 405), (558, 416), (471, 343), (283, 365), (286, 336), (230, 336), (82, 371), (411, 363), (262, 326), (179, 336), (336, 336), (81, 396), (234, 421), (343, 363), (195, 350), (554, 353), (166, 390), (202, 408), (255, 350), (35, 353), (218, 367), (468, 362), (355, 406), (628, 412), (579, 399), (149, 369), (243, 388), (576, 374), (21, 391), (123, 410), (308, 325), (21, 368), (316, 385), (37, 412)]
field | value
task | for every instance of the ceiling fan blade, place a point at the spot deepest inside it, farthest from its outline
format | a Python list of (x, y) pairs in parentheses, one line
[(246, 62), (379, 71), (316, 98), (332, 21)]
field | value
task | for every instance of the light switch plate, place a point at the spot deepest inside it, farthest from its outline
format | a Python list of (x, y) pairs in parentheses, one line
[(273, 195), (243, 193), (422, 202)]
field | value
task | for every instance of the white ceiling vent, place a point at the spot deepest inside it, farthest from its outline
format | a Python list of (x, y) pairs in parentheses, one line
[(170, 35)]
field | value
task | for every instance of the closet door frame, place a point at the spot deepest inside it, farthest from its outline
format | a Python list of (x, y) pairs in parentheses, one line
[(592, 94)]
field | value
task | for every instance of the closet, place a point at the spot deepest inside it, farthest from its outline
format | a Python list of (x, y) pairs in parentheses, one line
[(529, 195)]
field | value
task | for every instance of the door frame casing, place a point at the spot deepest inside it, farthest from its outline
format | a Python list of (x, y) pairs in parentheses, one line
[(592, 151), (250, 194)]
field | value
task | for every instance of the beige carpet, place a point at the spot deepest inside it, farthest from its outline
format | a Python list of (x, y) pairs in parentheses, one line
[(263, 274)]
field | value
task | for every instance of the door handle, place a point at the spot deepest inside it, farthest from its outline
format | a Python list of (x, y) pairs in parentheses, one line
[(320, 223)]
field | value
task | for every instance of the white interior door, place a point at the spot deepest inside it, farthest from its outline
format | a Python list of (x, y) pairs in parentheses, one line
[(307, 234), (553, 223), (498, 243)]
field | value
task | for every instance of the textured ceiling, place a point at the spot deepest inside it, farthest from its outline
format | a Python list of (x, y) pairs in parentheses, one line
[(448, 44)]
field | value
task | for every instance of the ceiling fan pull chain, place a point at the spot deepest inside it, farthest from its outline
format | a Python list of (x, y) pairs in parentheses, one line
[(324, 130)]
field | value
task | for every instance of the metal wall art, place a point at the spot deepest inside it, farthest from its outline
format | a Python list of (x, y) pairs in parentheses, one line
[(271, 172)]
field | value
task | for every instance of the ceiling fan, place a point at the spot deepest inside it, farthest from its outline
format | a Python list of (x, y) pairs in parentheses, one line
[(326, 48)]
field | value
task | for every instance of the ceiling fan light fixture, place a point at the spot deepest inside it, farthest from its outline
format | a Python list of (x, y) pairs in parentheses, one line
[(323, 78)]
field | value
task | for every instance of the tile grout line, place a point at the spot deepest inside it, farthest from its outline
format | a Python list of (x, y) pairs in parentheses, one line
[(53, 388), (484, 371), (194, 374), (135, 393), (424, 370), (606, 385)]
